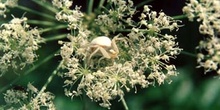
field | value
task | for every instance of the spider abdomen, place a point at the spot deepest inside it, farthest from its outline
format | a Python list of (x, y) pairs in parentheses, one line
[(103, 41)]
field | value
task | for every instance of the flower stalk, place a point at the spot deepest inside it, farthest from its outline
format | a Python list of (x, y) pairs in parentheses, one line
[(35, 12), (54, 73), (124, 103)]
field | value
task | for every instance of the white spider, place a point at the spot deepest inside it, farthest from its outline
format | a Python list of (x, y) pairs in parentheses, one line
[(103, 46)]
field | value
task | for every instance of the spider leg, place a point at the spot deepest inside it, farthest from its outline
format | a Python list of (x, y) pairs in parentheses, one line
[(104, 53), (100, 60), (93, 53), (114, 46)]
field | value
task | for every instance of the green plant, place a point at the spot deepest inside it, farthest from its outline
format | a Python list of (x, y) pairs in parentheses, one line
[(136, 49)]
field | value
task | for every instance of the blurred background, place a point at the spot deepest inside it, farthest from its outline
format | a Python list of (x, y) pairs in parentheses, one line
[(190, 90)]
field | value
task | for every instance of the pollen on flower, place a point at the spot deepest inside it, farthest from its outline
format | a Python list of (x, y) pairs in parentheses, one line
[(18, 44)]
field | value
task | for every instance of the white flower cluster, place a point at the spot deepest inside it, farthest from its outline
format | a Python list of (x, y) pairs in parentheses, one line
[(106, 83), (155, 22), (72, 17), (143, 58), (18, 43), (24, 99), (151, 51), (209, 56), (62, 4), (6, 3), (206, 12), (101, 84), (114, 18)]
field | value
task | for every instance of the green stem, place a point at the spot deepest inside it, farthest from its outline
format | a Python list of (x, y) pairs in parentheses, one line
[(53, 28), (179, 17), (90, 6), (124, 103), (143, 3), (45, 23), (124, 30), (85, 102), (35, 12), (46, 5), (28, 72), (58, 37), (101, 2), (48, 81), (188, 54)]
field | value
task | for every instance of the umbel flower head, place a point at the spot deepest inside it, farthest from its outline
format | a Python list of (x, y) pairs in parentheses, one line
[(6, 3), (18, 43), (114, 19), (206, 12), (25, 99), (209, 54), (150, 50), (72, 17), (106, 67)]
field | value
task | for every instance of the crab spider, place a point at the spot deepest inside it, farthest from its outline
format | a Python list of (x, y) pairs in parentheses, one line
[(103, 46)]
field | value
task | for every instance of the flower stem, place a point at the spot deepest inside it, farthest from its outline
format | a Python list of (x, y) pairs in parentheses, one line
[(58, 37), (35, 12), (48, 81), (45, 23), (143, 3), (46, 5), (90, 6), (101, 2), (188, 54), (179, 16), (54, 28), (124, 103), (28, 72)]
